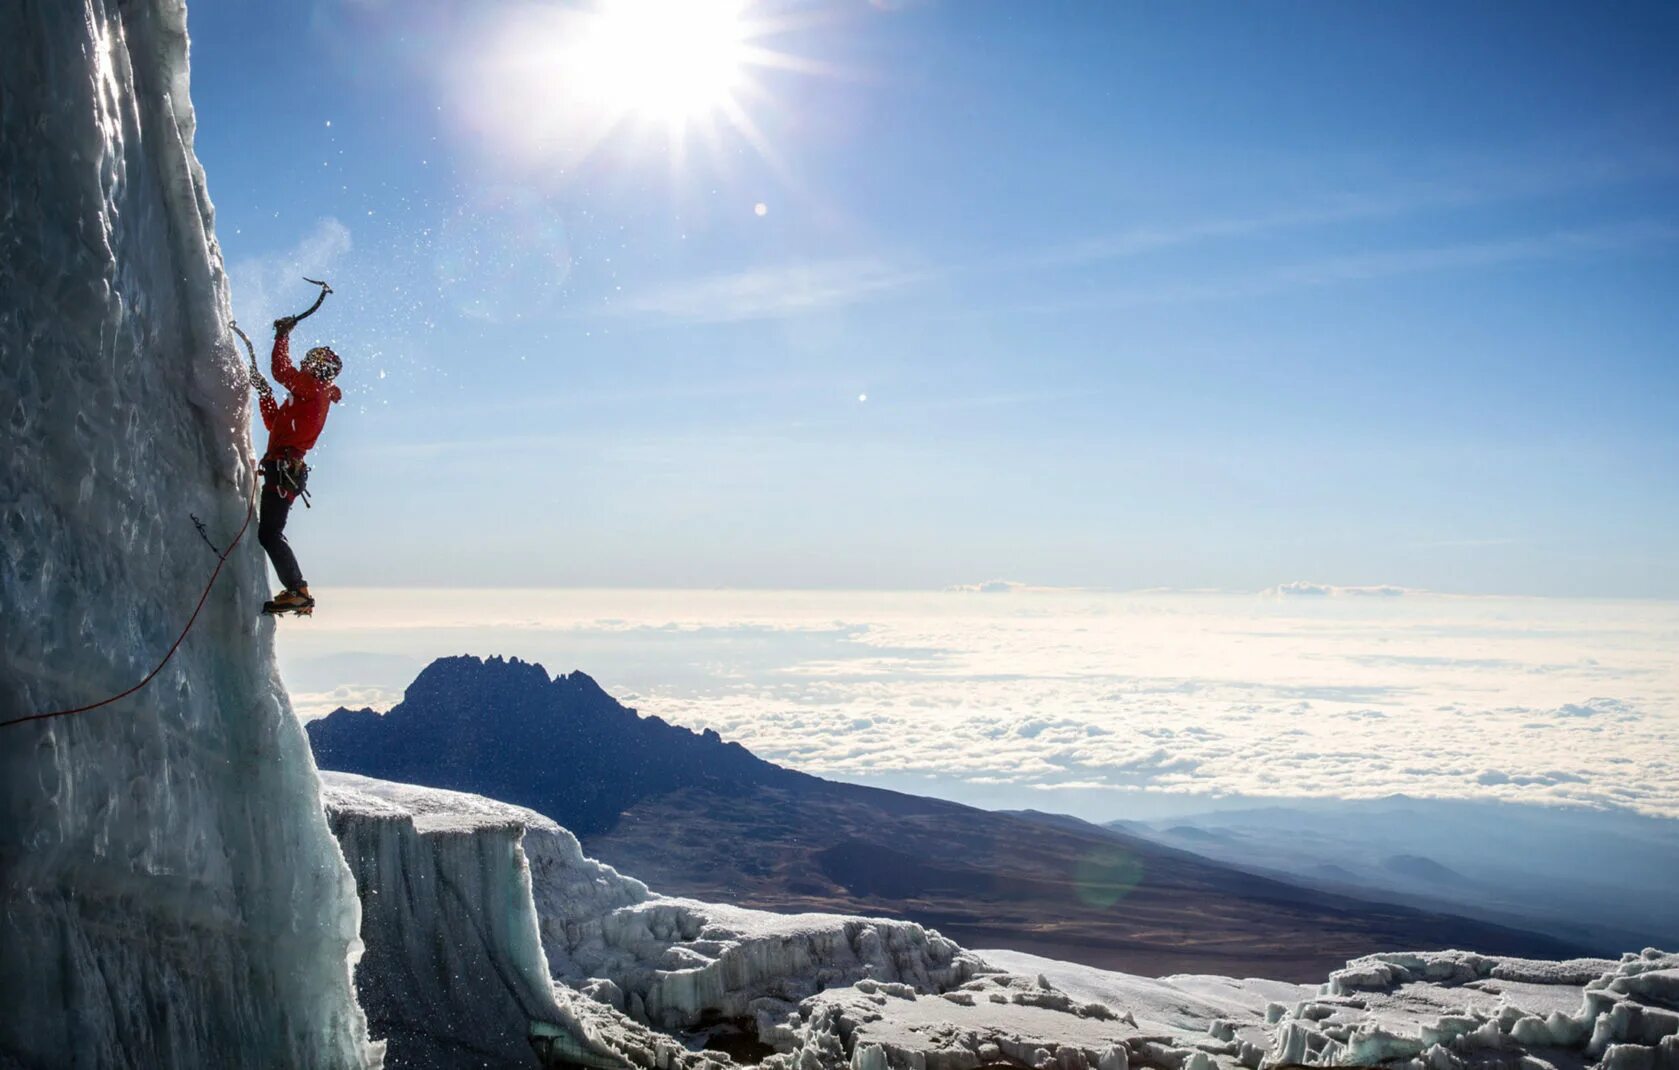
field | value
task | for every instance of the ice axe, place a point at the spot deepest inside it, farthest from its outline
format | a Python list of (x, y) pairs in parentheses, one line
[(325, 289), (256, 372), (310, 311)]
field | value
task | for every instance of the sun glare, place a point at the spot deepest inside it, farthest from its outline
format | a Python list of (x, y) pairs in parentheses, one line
[(552, 83), (669, 60)]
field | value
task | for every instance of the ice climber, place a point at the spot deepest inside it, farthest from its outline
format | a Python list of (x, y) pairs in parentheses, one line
[(293, 428)]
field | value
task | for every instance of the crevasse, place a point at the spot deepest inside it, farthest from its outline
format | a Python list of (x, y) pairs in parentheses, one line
[(169, 891)]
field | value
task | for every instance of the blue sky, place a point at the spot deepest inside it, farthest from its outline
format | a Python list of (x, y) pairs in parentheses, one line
[(1139, 295)]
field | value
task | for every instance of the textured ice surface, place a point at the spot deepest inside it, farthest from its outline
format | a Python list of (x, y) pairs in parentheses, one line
[(1433, 1011), (1451, 1009), (170, 894), (677, 963), (645, 978), (671, 962), (1184, 1005), (487, 888), (454, 974), (680, 962)]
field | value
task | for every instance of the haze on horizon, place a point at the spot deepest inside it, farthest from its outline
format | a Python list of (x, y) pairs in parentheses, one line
[(1099, 704)]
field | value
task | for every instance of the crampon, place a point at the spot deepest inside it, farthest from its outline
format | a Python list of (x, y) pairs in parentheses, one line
[(297, 603)]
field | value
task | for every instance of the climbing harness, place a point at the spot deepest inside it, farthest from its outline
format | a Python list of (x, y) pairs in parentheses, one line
[(289, 474), (221, 559)]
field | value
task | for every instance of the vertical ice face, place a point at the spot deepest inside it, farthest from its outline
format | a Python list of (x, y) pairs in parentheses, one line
[(455, 974), (170, 894)]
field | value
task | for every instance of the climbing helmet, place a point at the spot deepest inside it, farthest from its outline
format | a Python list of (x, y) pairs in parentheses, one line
[(322, 363)]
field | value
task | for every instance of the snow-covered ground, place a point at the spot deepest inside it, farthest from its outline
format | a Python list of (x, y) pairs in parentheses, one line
[(649, 979), (170, 894)]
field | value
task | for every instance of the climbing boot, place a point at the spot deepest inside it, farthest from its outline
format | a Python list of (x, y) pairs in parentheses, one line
[(291, 601)]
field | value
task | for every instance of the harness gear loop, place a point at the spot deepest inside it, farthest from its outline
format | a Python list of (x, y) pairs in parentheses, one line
[(288, 473)]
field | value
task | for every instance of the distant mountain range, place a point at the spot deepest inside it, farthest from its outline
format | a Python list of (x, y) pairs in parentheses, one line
[(1604, 878), (694, 815)]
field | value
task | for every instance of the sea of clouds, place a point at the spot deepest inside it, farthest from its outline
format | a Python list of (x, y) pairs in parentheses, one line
[(1101, 704)]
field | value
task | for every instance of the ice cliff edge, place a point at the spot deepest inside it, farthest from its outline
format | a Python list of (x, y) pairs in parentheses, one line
[(170, 893)]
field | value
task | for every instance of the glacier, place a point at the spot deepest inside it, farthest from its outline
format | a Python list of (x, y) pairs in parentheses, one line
[(179, 887), (485, 924), (454, 973), (170, 893), (660, 982)]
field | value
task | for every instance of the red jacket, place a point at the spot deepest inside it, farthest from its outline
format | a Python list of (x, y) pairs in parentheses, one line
[(296, 424)]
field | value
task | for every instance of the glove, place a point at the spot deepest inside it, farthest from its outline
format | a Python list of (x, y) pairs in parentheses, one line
[(260, 384), (284, 324)]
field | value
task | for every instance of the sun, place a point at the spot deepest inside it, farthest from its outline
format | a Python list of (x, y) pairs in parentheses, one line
[(673, 61), (548, 85)]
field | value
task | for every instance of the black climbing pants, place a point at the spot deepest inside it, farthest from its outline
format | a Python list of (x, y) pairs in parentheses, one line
[(271, 532)]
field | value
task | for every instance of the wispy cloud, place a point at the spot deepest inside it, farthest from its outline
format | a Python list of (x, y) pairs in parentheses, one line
[(309, 705), (1456, 544), (1305, 588), (1005, 587), (801, 288), (1587, 241), (773, 292), (267, 287), (1467, 187), (1139, 240), (1358, 267)]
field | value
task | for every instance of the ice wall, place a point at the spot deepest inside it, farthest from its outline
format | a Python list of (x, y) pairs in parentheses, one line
[(454, 973), (675, 963), (471, 903), (170, 894)]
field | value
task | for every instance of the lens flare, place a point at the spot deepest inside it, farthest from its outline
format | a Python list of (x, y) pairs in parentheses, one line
[(545, 87), (1104, 877)]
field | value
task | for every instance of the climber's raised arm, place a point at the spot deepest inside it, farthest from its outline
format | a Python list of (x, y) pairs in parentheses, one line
[(285, 372)]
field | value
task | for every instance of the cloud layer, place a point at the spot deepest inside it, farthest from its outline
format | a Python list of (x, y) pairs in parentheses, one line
[(1098, 696)]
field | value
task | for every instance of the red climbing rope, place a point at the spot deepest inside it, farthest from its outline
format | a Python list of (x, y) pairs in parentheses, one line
[(221, 560)]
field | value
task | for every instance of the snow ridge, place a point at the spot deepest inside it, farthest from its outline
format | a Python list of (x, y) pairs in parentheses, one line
[(169, 891), (674, 963)]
